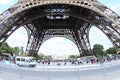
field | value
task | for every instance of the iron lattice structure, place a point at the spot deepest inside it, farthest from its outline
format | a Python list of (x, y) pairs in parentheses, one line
[(72, 19)]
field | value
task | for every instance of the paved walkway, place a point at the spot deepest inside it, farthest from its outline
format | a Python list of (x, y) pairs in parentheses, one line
[(104, 75)]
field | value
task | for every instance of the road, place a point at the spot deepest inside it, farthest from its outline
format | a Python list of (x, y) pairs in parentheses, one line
[(109, 71)]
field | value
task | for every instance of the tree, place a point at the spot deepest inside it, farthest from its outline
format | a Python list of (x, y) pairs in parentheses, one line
[(73, 56), (48, 57), (40, 56), (111, 50), (23, 55), (16, 50), (5, 48), (98, 50), (21, 50)]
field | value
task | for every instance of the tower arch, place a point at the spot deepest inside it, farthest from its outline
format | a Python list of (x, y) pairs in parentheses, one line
[(59, 46), (71, 18)]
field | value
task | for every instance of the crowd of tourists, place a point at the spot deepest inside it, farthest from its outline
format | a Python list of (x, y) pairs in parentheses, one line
[(79, 61)]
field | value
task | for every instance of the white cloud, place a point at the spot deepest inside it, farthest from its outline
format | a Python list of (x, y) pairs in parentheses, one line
[(3, 2), (18, 38), (98, 37), (59, 46)]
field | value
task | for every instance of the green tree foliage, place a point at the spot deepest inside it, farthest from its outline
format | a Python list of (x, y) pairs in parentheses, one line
[(23, 54), (40, 56), (48, 57), (111, 50), (73, 56), (21, 51), (16, 50), (98, 50), (5, 48)]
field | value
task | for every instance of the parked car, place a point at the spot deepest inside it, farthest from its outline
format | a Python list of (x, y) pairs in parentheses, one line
[(25, 61)]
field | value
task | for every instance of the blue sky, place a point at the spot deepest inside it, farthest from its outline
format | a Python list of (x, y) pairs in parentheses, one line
[(60, 46), (5, 4), (113, 4)]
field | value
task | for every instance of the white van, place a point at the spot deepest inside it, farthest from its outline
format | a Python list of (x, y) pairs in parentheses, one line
[(25, 61)]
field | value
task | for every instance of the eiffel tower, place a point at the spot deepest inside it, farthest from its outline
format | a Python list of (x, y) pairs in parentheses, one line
[(72, 19)]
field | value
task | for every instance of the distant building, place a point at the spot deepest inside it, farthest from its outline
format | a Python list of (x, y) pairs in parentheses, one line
[(60, 57)]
